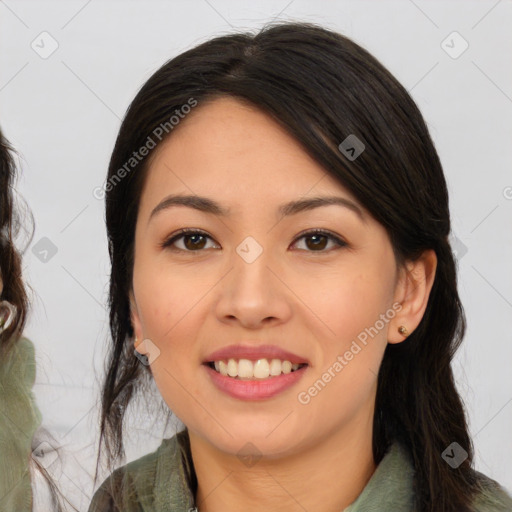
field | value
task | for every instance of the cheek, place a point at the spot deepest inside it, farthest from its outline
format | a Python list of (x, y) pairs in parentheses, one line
[(351, 306), (361, 312), (348, 302), (170, 309), (165, 297)]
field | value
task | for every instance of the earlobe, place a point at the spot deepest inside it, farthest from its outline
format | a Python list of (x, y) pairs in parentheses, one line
[(413, 292), (139, 346), (136, 324)]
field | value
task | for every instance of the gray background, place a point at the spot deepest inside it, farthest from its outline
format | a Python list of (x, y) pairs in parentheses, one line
[(62, 112)]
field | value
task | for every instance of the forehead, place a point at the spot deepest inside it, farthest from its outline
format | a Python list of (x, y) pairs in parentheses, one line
[(232, 150), (235, 130)]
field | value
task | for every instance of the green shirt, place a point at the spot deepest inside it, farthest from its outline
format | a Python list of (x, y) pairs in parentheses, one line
[(164, 481), (19, 419)]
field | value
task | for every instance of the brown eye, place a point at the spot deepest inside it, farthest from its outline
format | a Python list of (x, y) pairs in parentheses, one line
[(318, 239), (193, 241)]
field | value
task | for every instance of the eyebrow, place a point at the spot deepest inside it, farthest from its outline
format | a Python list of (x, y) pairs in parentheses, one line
[(207, 205)]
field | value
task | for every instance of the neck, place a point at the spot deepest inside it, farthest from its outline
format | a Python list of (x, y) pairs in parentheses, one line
[(325, 477)]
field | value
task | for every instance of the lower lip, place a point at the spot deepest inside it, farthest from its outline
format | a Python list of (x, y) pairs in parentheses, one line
[(254, 389)]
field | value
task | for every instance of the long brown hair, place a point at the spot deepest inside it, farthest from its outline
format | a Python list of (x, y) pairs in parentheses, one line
[(321, 87), (16, 219), (10, 257)]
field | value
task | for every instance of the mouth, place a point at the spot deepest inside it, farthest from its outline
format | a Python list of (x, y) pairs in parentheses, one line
[(261, 369)]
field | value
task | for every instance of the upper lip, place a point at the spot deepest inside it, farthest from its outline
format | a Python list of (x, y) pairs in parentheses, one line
[(253, 352)]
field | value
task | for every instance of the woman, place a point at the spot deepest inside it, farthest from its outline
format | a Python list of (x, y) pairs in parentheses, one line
[(19, 415), (278, 228), (22, 468)]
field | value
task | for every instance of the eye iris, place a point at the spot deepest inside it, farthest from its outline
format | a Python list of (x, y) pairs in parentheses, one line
[(193, 246), (315, 245), (196, 241)]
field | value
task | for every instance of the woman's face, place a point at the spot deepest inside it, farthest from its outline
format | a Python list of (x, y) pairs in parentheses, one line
[(253, 278)]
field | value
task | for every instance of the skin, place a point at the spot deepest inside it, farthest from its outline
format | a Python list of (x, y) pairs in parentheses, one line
[(310, 299)]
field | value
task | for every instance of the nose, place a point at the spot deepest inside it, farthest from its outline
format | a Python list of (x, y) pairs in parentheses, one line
[(253, 294)]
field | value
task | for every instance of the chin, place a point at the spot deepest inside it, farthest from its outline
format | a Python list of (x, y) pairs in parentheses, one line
[(254, 442)]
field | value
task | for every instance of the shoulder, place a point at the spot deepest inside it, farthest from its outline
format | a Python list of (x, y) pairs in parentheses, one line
[(130, 488), (19, 362), (492, 497), (19, 419), (17, 401)]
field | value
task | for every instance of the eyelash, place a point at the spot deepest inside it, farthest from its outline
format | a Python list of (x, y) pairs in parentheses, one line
[(191, 231)]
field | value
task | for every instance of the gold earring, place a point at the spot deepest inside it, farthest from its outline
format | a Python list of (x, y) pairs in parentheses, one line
[(403, 331)]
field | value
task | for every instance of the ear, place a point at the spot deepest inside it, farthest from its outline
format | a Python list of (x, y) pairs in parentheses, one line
[(412, 292), (136, 324)]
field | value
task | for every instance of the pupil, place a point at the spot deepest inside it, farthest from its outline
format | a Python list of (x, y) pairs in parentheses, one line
[(193, 245), (317, 237)]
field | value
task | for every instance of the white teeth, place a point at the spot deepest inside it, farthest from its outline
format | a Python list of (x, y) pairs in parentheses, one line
[(275, 367), (223, 368), (260, 369), (245, 368), (232, 368), (286, 367)]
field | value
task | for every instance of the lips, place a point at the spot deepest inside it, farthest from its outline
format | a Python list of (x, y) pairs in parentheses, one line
[(253, 353), (254, 389)]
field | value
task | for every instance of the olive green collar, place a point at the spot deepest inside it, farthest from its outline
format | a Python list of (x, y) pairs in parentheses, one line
[(165, 481)]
